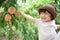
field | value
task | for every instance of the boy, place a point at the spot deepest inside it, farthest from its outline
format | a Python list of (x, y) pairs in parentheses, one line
[(46, 24)]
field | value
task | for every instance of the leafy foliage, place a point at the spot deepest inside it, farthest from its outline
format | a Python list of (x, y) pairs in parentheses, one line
[(58, 11)]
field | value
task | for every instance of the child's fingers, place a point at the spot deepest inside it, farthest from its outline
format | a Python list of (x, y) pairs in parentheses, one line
[(19, 13)]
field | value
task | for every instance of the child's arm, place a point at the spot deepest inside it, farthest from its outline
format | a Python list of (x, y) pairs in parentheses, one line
[(20, 13), (58, 26)]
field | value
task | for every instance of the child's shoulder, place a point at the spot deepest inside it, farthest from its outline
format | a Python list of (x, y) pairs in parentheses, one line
[(52, 24), (37, 20)]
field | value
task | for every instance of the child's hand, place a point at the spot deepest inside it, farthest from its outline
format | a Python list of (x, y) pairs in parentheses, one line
[(58, 26), (19, 13)]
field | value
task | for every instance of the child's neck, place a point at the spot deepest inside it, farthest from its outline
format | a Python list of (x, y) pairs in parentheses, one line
[(47, 21)]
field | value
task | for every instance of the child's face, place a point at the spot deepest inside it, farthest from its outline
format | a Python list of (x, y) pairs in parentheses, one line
[(45, 16)]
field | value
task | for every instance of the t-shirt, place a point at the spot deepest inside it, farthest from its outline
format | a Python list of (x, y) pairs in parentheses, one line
[(46, 29), (58, 36)]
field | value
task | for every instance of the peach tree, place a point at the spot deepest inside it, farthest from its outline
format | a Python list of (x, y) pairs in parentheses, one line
[(11, 22)]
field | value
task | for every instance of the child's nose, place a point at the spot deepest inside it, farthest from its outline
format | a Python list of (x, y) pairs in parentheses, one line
[(43, 14)]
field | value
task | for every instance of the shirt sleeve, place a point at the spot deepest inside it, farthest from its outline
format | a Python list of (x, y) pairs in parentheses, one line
[(53, 26), (37, 21)]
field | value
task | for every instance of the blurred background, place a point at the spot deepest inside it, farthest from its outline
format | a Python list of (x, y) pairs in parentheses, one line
[(15, 27)]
